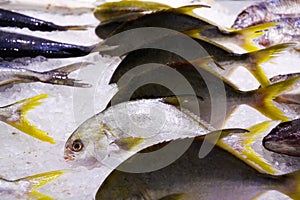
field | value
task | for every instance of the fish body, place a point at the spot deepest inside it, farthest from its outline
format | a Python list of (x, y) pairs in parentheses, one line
[(25, 188), (219, 175), (267, 11), (14, 19), (126, 128), (202, 79), (284, 138), (126, 9), (165, 19), (14, 45), (15, 115), (11, 75)]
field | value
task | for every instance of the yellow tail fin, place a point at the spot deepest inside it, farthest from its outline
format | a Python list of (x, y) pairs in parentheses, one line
[(39, 180), (243, 150), (263, 97), (293, 188), (251, 33), (261, 56), (14, 115)]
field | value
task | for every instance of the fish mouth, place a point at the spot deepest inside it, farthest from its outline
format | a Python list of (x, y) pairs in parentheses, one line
[(69, 156)]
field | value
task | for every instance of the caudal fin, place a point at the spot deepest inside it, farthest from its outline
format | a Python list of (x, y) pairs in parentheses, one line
[(15, 115), (243, 150), (243, 37), (293, 186), (263, 99), (60, 76), (250, 33), (258, 57), (39, 180)]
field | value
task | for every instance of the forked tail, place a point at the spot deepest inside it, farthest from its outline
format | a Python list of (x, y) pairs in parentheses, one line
[(15, 115)]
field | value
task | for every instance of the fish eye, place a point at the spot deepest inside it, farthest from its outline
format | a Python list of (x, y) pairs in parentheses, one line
[(77, 145)]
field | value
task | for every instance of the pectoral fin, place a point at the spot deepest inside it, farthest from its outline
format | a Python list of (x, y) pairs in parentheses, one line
[(129, 143)]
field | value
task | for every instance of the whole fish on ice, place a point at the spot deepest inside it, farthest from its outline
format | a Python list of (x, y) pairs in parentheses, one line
[(181, 19), (25, 188), (11, 75), (124, 129), (15, 115), (217, 176)]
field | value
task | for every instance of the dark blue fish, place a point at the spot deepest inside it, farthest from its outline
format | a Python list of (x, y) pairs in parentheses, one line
[(14, 19), (15, 45)]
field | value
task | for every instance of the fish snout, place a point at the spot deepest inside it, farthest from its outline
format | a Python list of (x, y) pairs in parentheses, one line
[(68, 155)]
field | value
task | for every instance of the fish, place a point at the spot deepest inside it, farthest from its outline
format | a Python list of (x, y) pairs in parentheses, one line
[(136, 81), (219, 175), (13, 19), (285, 13), (15, 45), (26, 187), (266, 11), (288, 30), (11, 74), (66, 7), (284, 138), (15, 116), (126, 9), (292, 95), (183, 19), (122, 130)]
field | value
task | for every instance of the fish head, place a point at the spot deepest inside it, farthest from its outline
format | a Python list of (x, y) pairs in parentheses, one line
[(284, 139), (249, 17), (88, 144)]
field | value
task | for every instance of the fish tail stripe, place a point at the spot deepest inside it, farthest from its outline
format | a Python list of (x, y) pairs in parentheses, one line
[(262, 56), (251, 33), (21, 123), (248, 155), (263, 97), (39, 180)]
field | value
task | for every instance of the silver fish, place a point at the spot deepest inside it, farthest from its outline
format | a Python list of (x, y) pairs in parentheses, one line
[(11, 75), (217, 176), (126, 128), (267, 11)]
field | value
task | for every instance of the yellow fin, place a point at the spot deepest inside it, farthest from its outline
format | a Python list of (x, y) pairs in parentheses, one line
[(111, 10), (263, 97), (293, 192), (250, 33), (39, 180), (129, 143), (19, 121), (262, 56), (247, 154)]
